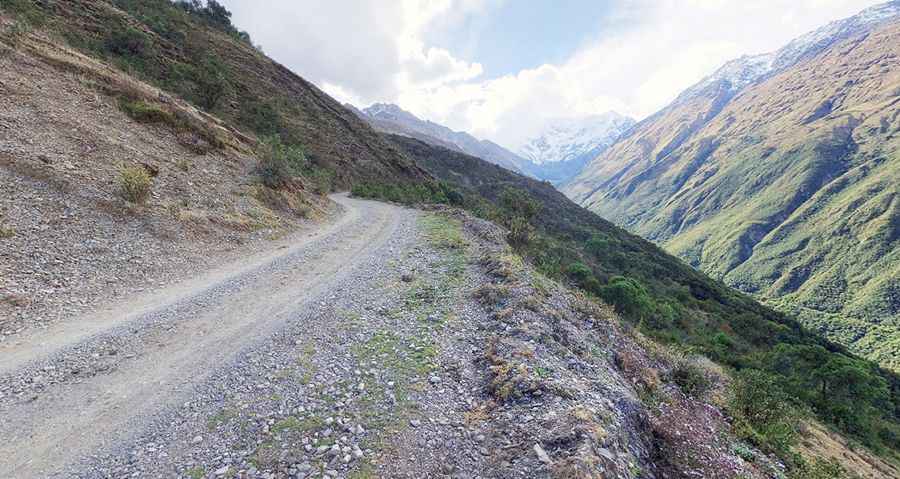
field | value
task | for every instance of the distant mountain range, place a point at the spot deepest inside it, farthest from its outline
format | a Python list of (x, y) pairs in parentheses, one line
[(780, 174), (557, 155), (393, 119)]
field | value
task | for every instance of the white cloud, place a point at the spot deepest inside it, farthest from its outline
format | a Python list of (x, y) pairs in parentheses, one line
[(646, 52), (363, 50)]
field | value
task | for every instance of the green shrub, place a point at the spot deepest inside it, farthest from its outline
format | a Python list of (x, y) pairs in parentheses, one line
[(407, 193), (518, 203), (691, 377), (517, 211), (322, 179), (598, 246), (212, 84), (25, 11), (520, 231), (129, 42), (6, 232), (819, 469), (144, 112), (135, 183), (663, 316), (260, 117), (628, 296), (579, 272), (763, 414), (279, 163), (845, 391)]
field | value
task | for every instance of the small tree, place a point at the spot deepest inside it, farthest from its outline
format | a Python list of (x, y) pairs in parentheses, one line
[(212, 85), (763, 413), (217, 14), (518, 210), (279, 163)]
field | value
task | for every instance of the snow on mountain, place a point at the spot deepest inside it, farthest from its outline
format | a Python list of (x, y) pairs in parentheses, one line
[(569, 139), (748, 69)]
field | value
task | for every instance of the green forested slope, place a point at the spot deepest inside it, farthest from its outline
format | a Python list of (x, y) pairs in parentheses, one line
[(789, 190)]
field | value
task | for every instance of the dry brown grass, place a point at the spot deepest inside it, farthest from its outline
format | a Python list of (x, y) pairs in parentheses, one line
[(818, 442), (212, 131), (11, 299), (479, 414), (492, 295)]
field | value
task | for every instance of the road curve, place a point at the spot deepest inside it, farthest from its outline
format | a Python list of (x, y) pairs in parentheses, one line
[(175, 338)]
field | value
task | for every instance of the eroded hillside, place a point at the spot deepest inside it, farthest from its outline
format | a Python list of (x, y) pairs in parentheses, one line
[(214, 67), (76, 130)]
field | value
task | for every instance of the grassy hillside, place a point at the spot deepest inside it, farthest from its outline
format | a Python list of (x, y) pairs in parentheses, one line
[(197, 54), (788, 190), (662, 296)]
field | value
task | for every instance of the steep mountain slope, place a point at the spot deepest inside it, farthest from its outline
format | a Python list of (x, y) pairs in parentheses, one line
[(662, 296), (395, 120), (205, 60), (565, 146), (779, 175)]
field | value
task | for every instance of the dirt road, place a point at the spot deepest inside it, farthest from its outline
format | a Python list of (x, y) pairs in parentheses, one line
[(89, 381)]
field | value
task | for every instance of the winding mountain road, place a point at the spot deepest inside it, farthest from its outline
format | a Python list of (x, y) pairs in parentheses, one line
[(85, 383)]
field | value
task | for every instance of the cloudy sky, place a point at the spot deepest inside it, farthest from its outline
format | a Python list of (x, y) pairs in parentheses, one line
[(500, 68)]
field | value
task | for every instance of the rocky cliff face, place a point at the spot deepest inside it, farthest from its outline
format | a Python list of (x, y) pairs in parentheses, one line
[(779, 174)]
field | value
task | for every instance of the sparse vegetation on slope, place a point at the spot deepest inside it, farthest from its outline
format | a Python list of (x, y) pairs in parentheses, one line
[(671, 302), (192, 50)]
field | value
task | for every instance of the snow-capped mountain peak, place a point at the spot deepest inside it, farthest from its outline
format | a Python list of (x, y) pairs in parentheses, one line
[(567, 139), (738, 73)]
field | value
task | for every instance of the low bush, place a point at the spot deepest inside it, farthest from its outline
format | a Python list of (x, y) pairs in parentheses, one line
[(321, 179), (211, 82), (144, 112), (260, 117), (128, 42), (579, 272), (691, 377), (492, 295), (407, 193), (25, 11), (6, 232), (279, 163), (135, 183), (763, 414), (818, 469), (629, 297), (517, 211)]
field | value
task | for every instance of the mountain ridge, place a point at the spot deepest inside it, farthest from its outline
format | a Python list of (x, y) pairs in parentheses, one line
[(557, 154), (758, 185), (391, 118)]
